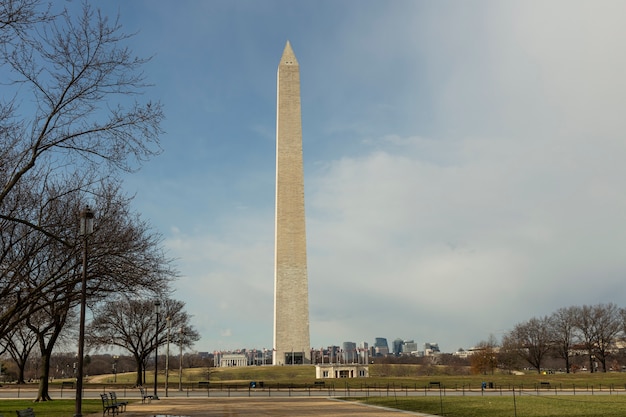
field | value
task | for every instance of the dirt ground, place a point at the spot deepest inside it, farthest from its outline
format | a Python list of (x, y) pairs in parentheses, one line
[(275, 407)]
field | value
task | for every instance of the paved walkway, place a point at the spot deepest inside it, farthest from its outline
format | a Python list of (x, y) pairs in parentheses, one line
[(275, 407)]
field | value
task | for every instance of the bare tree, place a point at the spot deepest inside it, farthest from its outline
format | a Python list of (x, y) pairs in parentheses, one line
[(125, 256), (484, 359), (19, 343), (508, 359), (530, 340), (563, 322), (31, 264), (69, 116), (46, 326), (607, 325), (47, 277), (585, 329), (131, 325), (17, 16), (79, 75)]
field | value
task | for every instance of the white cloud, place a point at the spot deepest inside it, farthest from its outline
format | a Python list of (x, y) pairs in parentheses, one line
[(464, 172)]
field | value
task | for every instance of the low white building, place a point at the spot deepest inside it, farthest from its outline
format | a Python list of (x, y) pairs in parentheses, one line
[(326, 371), (230, 360)]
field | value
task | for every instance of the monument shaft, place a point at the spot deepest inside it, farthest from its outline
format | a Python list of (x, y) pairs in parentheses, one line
[(291, 293)]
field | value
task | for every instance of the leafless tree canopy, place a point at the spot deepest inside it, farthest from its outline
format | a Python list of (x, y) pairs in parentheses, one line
[(44, 275), (72, 116), (531, 340), (71, 100), (131, 325), (484, 359), (595, 332), (17, 16)]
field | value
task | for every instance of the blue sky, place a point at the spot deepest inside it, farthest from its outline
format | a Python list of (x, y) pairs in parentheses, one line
[(464, 161)]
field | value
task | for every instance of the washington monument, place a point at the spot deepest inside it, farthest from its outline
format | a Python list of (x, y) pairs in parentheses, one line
[(291, 288)]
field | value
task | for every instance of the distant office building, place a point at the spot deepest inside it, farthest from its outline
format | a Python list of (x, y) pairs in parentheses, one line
[(332, 354), (348, 352), (397, 346), (462, 353), (363, 353), (381, 348), (409, 347), (431, 349)]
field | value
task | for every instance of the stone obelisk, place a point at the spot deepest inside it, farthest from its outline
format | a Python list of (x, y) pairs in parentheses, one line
[(291, 288)]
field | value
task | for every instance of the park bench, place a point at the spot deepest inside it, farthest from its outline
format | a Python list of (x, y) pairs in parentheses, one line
[(145, 396), (108, 406), (203, 384), (28, 412), (121, 404), (67, 384)]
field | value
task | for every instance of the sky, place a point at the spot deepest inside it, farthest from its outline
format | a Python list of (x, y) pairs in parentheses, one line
[(463, 161)]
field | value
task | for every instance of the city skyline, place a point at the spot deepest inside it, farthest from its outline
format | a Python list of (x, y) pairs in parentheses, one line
[(462, 161)]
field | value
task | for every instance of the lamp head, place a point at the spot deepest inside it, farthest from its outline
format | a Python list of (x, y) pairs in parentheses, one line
[(86, 221)]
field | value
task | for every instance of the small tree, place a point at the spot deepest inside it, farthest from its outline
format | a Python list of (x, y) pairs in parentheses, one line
[(563, 323), (585, 330), (530, 340), (484, 357), (131, 325), (19, 343), (607, 326)]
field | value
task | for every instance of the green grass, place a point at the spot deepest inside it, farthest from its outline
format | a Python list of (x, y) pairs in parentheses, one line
[(56, 408), (410, 376), (398, 376), (524, 406)]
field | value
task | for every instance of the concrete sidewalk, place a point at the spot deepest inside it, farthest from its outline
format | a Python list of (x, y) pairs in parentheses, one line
[(275, 407)]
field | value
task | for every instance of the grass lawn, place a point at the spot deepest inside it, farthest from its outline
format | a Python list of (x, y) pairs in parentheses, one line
[(395, 376), (56, 408), (524, 406)]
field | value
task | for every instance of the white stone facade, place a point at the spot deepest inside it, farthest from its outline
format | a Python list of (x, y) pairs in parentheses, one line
[(341, 371), (291, 294), (231, 360)]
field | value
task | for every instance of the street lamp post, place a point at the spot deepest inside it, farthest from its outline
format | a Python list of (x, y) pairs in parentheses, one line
[(157, 304), (86, 228), (115, 358), (180, 362), (167, 354)]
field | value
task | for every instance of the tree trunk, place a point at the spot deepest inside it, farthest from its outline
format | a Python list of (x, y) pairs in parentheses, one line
[(44, 378), (20, 373), (140, 370), (139, 380)]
